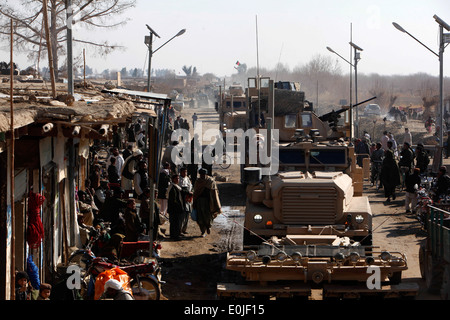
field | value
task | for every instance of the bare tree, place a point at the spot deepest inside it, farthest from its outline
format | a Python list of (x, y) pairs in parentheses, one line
[(29, 32)]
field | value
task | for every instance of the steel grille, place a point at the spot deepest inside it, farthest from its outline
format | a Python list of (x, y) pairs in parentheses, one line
[(308, 205)]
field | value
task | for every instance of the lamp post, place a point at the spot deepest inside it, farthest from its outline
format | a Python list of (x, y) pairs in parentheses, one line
[(148, 42), (357, 57), (351, 107), (443, 39)]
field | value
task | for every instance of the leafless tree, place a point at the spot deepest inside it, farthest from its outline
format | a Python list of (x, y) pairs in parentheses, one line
[(29, 32)]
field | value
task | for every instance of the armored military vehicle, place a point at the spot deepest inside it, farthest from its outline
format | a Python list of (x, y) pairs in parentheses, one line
[(305, 204), (306, 231)]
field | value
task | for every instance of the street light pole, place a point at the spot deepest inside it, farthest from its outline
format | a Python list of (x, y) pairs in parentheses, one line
[(149, 42), (357, 58), (350, 111), (442, 41), (150, 53), (443, 38)]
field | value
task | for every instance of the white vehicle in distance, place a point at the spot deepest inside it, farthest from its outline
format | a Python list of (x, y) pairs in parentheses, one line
[(372, 110)]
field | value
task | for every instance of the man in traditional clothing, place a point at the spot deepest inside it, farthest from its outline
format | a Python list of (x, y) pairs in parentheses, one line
[(175, 208), (129, 168), (141, 180), (186, 193), (206, 201), (390, 175)]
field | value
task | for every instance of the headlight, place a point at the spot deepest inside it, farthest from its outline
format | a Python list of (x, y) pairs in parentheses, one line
[(359, 219), (385, 256), (257, 218)]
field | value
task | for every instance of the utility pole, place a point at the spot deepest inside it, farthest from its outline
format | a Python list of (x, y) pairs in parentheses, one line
[(149, 42)]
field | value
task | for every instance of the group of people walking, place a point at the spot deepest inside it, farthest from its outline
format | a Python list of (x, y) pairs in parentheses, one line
[(183, 200), (392, 167)]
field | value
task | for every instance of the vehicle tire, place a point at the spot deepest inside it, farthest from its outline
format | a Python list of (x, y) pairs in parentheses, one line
[(250, 239), (145, 289), (395, 278)]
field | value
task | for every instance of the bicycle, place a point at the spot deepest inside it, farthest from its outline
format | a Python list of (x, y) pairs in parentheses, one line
[(375, 174)]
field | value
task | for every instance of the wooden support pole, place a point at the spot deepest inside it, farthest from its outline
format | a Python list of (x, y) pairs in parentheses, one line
[(13, 234)]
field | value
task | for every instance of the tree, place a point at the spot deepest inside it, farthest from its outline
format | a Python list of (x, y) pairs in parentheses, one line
[(124, 72), (187, 70), (29, 34)]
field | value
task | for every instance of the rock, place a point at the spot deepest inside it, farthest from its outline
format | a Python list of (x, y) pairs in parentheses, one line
[(56, 103), (109, 85)]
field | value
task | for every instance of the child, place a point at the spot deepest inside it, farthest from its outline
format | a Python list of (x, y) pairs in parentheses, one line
[(44, 291), (22, 288)]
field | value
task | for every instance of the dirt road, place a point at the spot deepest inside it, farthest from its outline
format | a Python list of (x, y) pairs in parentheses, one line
[(193, 266)]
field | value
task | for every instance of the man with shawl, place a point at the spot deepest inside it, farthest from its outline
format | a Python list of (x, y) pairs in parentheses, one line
[(206, 201), (390, 175), (175, 208)]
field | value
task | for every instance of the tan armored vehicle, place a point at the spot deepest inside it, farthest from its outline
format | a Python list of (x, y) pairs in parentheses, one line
[(309, 205), (308, 231)]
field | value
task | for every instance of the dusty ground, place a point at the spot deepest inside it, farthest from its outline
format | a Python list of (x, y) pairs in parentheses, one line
[(193, 266)]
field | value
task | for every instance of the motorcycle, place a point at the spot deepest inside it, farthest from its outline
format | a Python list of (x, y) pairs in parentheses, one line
[(95, 234), (145, 277), (424, 199), (134, 252)]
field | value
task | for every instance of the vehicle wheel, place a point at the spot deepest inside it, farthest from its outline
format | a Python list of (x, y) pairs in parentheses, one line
[(396, 278), (145, 289), (250, 239)]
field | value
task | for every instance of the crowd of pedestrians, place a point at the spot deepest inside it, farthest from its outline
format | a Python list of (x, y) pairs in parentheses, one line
[(396, 166)]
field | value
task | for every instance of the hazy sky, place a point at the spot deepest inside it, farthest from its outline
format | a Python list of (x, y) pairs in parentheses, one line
[(221, 32)]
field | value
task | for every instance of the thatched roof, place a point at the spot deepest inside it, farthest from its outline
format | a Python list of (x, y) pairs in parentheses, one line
[(26, 113), (93, 106)]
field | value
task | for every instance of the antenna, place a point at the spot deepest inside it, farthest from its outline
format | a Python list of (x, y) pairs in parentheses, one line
[(257, 49), (279, 59), (257, 75)]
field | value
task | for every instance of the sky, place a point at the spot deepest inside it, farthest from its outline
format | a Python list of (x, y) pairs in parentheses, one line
[(292, 32)]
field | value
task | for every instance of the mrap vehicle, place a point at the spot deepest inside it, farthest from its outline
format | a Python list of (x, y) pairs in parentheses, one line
[(306, 231), (297, 203)]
